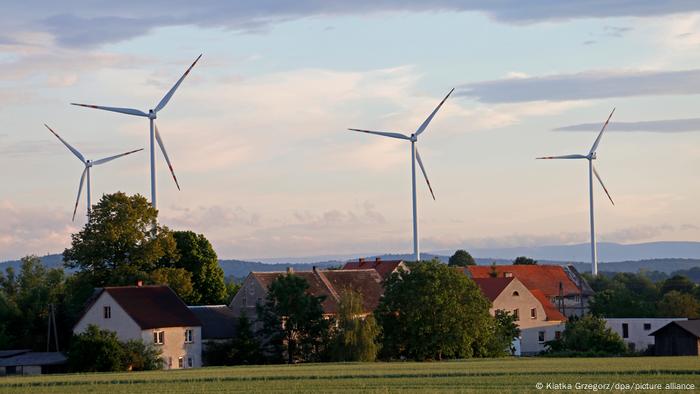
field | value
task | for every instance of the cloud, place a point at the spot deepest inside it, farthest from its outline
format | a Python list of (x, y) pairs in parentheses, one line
[(585, 86), (653, 126), (99, 22)]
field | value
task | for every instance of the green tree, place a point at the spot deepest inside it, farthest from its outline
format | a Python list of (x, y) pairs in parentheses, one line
[(198, 257), (245, 344), (461, 258), (522, 260), (588, 336), (678, 283), (433, 312), (95, 350), (624, 295), (121, 242), (179, 279), (138, 356), (505, 331), (677, 304), (356, 335), (292, 321)]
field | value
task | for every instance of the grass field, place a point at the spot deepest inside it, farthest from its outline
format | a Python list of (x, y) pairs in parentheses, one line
[(503, 375)]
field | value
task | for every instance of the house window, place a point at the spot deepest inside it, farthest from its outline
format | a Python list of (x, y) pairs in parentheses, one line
[(180, 362), (516, 314), (533, 313), (540, 336), (647, 326), (190, 362), (188, 336), (107, 310), (516, 294), (625, 330), (557, 335), (170, 362), (158, 337)]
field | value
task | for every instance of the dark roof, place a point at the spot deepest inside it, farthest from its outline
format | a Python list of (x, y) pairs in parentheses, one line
[(153, 306), (492, 287), (331, 284), (384, 267), (540, 276), (218, 321), (691, 326), (13, 352), (34, 358)]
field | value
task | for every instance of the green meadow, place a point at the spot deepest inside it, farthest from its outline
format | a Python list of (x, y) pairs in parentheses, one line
[(479, 375)]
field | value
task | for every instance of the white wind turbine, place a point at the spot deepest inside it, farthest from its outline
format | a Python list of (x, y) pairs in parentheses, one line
[(414, 156), (154, 135), (591, 172), (86, 172)]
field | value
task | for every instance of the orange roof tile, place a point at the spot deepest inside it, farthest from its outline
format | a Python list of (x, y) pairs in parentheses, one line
[(550, 310), (543, 277)]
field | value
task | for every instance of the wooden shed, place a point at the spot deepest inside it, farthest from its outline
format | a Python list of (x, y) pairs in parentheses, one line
[(678, 338)]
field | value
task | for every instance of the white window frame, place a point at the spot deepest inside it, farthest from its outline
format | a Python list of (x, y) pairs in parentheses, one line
[(107, 312), (189, 335), (180, 362), (159, 337), (543, 335), (516, 314), (533, 313)]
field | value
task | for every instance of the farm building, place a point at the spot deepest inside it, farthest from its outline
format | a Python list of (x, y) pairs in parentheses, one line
[(26, 362), (678, 338)]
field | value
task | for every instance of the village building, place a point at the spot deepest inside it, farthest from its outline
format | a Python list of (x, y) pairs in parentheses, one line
[(678, 338), (635, 332), (218, 322), (153, 314), (26, 362), (563, 286), (384, 267), (327, 283)]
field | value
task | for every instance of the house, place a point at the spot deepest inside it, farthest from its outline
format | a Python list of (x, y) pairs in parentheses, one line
[(384, 267), (154, 314), (539, 321), (678, 338), (26, 362), (635, 331), (563, 286), (327, 283), (218, 322)]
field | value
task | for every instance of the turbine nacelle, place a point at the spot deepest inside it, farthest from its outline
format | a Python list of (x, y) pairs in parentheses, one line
[(152, 114), (413, 138)]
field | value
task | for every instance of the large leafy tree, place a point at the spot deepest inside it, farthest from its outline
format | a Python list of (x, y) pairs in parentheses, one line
[(679, 283), (198, 257), (292, 321), (624, 295), (523, 260), (588, 335), (434, 312), (461, 258), (505, 331), (121, 242), (356, 335), (677, 304)]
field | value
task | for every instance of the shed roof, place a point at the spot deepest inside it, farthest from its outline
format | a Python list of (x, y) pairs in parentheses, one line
[(691, 326), (218, 321), (34, 358)]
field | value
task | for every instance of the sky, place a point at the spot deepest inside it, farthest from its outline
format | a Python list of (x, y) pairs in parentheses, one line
[(258, 137)]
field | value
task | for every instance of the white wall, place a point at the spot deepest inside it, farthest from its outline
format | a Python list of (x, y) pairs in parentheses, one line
[(174, 346), (529, 338), (638, 338), (120, 322)]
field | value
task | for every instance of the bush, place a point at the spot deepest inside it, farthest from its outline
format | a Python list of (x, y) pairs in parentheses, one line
[(98, 350), (587, 337)]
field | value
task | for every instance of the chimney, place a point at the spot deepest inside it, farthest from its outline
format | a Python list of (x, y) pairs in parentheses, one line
[(507, 274), (377, 259), (290, 270), (314, 268), (139, 283)]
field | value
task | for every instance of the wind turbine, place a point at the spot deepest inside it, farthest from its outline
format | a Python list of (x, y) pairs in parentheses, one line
[(591, 172), (415, 156), (154, 135), (88, 164)]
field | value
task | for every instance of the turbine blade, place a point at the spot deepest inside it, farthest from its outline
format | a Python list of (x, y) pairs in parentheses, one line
[(80, 189), (425, 174), (384, 133), (172, 90), (128, 111), (563, 157), (602, 184), (107, 159), (600, 135), (75, 151), (165, 154), (430, 118)]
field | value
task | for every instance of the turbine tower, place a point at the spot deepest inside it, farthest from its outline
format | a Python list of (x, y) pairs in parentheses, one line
[(154, 135), (591, 172), (415, 156), (88, 164)]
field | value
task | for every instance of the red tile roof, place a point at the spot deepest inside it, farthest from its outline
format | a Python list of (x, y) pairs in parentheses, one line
[(492, 287), (550, 311), (332, 283), (153, 306), (384, 267), (543, 277)]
